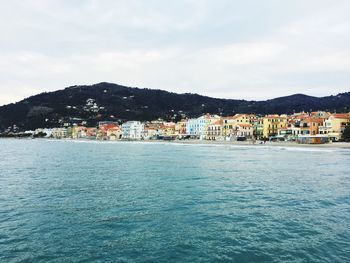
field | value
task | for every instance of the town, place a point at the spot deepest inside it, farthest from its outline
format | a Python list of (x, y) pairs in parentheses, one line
[(307, 128)]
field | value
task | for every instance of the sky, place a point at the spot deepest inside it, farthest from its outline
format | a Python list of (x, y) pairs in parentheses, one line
[(251, 49)]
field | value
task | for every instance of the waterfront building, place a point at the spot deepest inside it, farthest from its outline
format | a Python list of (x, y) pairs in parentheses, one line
[(168, 128), (214, 131), (150, 133), (258, 127), (335, 125), (286, 134), (79, 132), (114, 133), (102, 133), (230, 124), (197, 127), (244, 130), (91, 133), (311, 125), (46, 131), (180, 128), (133, 130), (59, 133), (271, 124), (192, 127)]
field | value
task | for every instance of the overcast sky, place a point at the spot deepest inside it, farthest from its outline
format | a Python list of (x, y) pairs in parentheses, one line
[(251, 49)]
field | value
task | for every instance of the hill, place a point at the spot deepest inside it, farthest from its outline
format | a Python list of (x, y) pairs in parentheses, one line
[(107, 101)]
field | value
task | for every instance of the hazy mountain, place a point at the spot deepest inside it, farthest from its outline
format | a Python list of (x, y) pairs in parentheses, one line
[(107, 101)]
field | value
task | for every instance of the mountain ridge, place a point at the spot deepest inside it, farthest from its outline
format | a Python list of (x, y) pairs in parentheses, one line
[(109, 101)]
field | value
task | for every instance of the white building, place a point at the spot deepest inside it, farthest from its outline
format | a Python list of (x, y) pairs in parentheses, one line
[(47, 131), (59, 133), (197, 127), (132, 130)]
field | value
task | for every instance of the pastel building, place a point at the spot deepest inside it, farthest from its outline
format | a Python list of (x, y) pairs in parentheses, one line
[(46, 131), (197, 127), (114, 133), (214, 131), (244, 130), (59, 133), (230, 124), (150, 132), (79, 132), (335, 125), (271, 124), (107, 130), (132, 130), (168, 128), (180, 128), (258, 127)]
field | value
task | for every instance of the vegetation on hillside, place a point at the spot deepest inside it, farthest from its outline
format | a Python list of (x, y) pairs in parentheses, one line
[(107, 101)]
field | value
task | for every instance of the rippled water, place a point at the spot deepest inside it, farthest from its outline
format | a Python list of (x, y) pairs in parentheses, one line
[(65, 201)]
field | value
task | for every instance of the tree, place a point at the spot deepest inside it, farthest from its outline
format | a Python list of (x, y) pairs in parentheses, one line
[(346, 133)]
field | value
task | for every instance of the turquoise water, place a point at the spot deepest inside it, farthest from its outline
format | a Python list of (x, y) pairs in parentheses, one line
[(65, 201)]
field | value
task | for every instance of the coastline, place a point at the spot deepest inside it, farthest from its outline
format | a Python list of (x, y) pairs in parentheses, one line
[(345, 145), (337, 145)]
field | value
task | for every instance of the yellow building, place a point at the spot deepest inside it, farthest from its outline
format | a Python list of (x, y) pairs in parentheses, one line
[(168, 128), (214, 131), (230, 123), (271, 124), (114, 133), (335, 125), (180, 127)]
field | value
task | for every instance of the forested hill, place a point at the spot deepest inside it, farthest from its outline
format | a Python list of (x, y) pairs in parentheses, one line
[(107, 101)]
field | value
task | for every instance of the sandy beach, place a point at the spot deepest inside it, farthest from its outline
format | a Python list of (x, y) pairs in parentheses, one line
[(344, 145), (259, 144)]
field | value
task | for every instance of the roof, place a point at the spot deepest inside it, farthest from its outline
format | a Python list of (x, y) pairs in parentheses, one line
[(108, 126), (219, 122), (114, 129), (237, 116), (273, 116), (340, 115), (314, 119)]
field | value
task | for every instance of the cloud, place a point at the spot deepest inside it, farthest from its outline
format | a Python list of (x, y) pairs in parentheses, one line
[(233, 49)]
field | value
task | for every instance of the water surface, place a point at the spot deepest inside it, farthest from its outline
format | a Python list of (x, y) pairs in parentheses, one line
[(66, 201)]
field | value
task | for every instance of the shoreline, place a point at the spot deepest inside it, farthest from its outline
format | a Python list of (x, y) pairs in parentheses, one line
[(344, 145), (337, 145)]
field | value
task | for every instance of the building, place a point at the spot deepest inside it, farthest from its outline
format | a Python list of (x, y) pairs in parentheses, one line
[(132, 130), (154, 130), (311, 125), (91, 133), (334, 125), (168, 128), (244, 130), (114, 133), (258, 127), (59, 133), (150, 133), (230, 124), (46, 132), (79, 132), (113, 128), (180, 128), (214, 131), (271, 124), (197, 127)]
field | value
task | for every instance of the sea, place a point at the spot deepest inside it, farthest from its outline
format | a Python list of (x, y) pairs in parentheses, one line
[(88, 201)]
